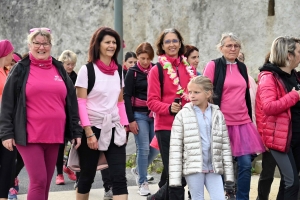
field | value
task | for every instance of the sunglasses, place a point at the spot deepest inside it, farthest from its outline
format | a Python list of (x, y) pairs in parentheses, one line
[(174, 41), (39, 29)]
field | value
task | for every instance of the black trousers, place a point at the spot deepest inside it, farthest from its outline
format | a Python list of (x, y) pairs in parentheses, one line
[(19, 165), (116, 159), (289, 166), (166, 192), (107, 183), (266, 176), (60, 159), (7, 169)]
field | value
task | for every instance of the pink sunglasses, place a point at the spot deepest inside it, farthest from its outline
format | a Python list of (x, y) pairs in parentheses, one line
[(36, 29)]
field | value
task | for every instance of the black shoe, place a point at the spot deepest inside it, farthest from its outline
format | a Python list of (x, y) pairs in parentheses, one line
[(229, 196), (151, 197), (230, 190)]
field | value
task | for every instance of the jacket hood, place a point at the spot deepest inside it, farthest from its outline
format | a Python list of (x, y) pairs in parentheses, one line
[(137, 69), (190, 105), (273, 68)]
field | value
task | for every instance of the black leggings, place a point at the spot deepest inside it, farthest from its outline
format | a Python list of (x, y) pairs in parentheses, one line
[(116, 159), (173, 193), (266, 176), (107, 183), (60, 159), (7, 169), (19, 165), (289, 166)]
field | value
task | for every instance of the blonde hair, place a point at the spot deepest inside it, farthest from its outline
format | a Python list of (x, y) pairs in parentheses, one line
[(280, 49), (206, 84), (41, 32), (232, 36), (68, 55)]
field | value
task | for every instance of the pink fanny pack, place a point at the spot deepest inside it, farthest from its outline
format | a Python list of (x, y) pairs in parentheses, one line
[(136, 102)]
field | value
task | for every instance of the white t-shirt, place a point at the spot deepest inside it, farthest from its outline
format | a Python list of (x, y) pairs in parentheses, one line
[(103, 98)]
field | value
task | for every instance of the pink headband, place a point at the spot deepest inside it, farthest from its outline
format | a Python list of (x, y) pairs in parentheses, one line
[(39, 29), (5, 48), (16, 58)]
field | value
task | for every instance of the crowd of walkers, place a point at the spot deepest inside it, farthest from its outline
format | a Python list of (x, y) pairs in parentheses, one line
[(207, 128)]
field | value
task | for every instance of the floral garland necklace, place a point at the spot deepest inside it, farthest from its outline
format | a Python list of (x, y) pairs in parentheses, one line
[(173, 75)]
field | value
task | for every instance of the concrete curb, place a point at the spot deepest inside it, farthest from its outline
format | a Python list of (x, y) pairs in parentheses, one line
[(97, 194)]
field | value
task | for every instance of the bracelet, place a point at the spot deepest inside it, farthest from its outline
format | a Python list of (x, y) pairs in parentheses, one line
[(90, 135)]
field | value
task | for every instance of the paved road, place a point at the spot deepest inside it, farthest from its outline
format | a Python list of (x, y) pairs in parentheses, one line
[(130, 149)]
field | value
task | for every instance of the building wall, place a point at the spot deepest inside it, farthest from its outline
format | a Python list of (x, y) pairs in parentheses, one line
[(201, 22)]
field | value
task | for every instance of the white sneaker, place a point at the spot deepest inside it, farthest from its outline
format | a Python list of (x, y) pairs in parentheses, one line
[(144, 189), (136, 176), (108, 195)]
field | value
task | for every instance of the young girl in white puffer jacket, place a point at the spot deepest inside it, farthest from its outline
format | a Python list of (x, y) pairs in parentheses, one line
[(199, 145)]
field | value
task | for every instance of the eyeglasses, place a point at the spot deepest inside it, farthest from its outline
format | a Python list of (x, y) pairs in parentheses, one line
[(39, 29), (38, 45), (174, 41), (236, 46)]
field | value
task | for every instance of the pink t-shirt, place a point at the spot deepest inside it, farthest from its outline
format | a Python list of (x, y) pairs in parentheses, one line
[(103, 98), (3, 77), (233, 102), (45, 103)]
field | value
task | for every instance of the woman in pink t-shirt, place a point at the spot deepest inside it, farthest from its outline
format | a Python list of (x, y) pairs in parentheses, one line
[(38, 111), (231, 86), (102, 114)]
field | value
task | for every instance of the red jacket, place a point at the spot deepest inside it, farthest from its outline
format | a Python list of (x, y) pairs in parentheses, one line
[(160, 106), (273, 115)]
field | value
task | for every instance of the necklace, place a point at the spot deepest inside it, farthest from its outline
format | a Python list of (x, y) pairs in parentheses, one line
[(173, 75)]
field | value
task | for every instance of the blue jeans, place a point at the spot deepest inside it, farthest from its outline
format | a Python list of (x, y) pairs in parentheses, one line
[(244, 177), (145, 153)]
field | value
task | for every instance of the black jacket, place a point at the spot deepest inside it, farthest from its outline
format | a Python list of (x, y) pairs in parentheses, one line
[(73, 77), (13, 108), (136, 85)]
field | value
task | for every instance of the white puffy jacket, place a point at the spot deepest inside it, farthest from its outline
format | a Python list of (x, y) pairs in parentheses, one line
[(185, 146)]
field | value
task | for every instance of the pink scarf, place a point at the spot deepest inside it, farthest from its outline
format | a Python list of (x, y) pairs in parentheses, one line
[(45, 64), (146, 71), (109, 70)]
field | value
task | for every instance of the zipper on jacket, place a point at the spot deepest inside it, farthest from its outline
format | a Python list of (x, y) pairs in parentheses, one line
[(211, 142)]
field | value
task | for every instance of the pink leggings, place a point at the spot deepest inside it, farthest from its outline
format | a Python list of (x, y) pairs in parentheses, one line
[(39, 160)]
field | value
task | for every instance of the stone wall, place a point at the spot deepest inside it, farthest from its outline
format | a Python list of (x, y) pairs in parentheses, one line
[(201, 23)]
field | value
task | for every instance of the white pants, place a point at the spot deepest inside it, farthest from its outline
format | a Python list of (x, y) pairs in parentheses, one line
[(213, 183)]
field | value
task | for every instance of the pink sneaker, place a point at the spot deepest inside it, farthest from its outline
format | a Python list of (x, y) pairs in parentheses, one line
[(70, 173), (60, 179)]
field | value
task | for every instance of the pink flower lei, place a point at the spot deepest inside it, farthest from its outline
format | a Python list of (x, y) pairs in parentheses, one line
[(173, 75)]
